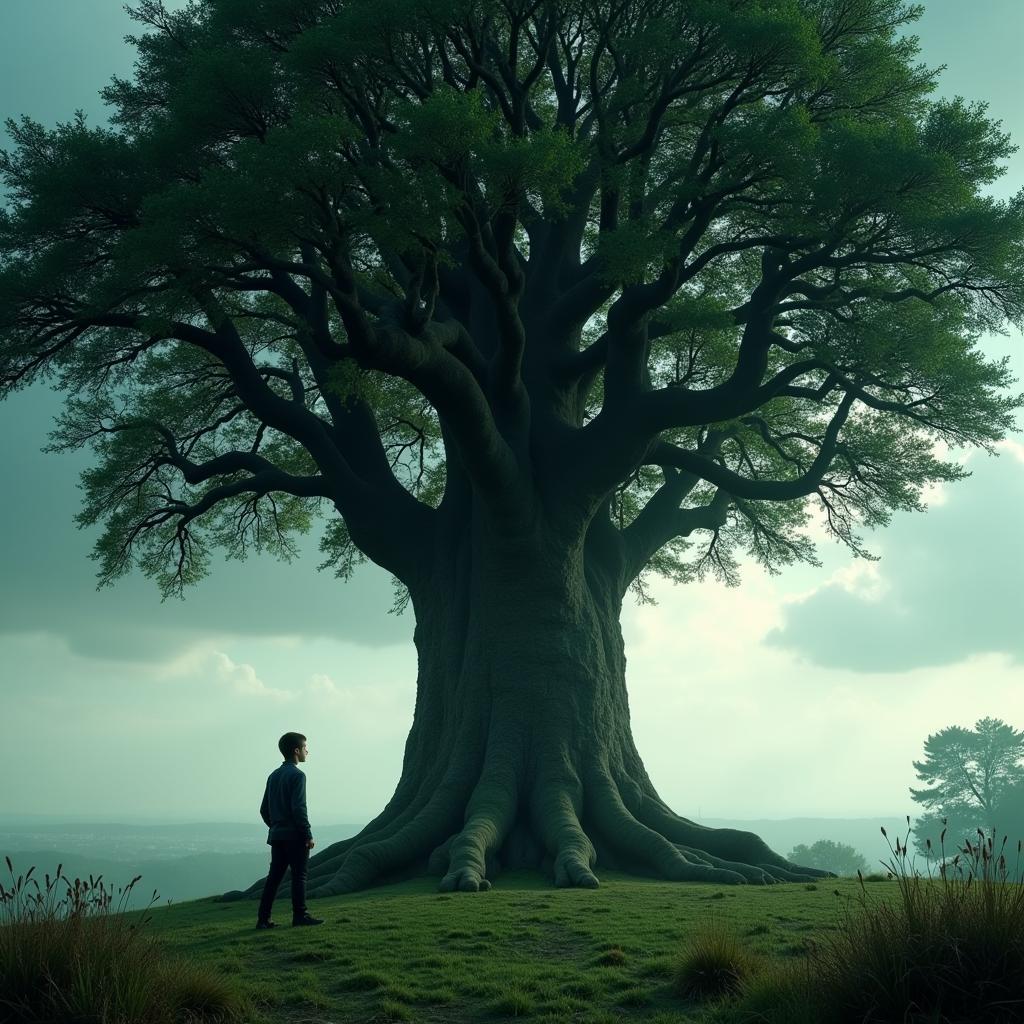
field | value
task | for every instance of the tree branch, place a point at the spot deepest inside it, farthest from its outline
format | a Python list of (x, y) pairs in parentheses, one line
[(665, 454), (373, 514), (661, 519), (427, 362)]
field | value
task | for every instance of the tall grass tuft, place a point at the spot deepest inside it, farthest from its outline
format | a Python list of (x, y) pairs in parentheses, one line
[(71, 960), (713, 964), (947, 948)]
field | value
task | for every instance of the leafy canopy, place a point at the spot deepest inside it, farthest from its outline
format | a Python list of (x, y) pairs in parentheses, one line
[(671, 268)]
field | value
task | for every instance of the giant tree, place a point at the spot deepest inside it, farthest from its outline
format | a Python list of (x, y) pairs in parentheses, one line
[(532, 298)]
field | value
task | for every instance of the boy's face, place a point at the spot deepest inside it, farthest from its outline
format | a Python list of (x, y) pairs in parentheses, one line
[(300, 752)]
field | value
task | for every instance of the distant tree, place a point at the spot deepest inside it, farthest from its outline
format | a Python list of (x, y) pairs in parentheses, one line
[(1008, 816), (970, 767), (829, 856), (528, 300), (972, 774), (962, 821), (947, 828)]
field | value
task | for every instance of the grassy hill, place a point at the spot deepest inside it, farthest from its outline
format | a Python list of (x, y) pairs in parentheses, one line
[(524, 950)]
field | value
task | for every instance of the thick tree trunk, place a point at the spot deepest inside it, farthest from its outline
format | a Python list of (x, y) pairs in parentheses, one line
[(520, 753)]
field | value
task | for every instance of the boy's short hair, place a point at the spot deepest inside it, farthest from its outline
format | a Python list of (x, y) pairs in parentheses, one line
[(288, 742)]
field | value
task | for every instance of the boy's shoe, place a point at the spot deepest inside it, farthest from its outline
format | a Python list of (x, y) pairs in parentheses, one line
[(266, 924), (296, 921)]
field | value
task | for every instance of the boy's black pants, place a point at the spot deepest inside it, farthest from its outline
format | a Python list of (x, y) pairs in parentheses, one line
[(285, 854)]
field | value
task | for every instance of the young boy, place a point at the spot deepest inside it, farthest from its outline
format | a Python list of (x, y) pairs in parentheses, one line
[(290, 837)]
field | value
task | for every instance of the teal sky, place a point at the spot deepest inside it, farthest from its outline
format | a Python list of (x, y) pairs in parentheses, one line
[(119, 707)]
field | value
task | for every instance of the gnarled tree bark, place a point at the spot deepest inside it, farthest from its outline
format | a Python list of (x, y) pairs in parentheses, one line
[(521, 753)]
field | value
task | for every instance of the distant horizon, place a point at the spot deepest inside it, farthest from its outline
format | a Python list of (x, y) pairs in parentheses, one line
[(57, 819)]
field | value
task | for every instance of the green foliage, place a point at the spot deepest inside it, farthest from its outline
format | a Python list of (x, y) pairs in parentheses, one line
[(836, 857), (342, 554), (772, 173), (175, 393), (448, 128), (626, 253), (543, 166)]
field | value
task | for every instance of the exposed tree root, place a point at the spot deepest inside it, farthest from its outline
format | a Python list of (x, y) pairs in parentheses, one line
[(561, 825)]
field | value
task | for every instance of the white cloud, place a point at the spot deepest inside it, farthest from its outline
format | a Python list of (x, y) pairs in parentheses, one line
[(320, 684), (945, 589), (730, 725), (700, 619), (1014, 448), (243, 680), (860, 578), (382, 709), (934, 495), (191, 661)]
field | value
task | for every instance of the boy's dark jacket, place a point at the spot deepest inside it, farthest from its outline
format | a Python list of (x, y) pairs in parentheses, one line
[(284, 804)]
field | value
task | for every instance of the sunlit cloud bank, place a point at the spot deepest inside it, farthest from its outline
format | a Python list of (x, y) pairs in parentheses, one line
[(195, 734), (946, 587), (731, 727)]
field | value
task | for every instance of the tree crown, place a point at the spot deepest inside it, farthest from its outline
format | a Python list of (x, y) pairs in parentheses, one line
[(666, 267)]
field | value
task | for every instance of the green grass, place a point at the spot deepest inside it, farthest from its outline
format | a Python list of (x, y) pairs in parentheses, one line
[(73, 960), (950, 948), (522, 951), (715, 961), (839, 952)]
